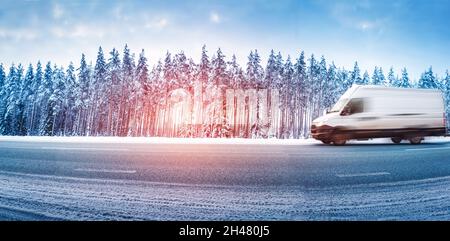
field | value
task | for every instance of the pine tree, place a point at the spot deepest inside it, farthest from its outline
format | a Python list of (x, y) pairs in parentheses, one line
[(36, 101), (82, 98), (313, 74), (356, 74), (204, 67), (219, 67), (446, 90), (381, 76), (314, 86), (287, 94), (323, 85), (404, 82), (428, 80), (113, 92), (25, 102), (392, 80), (191, 74), (169, 72), (6, 125), (300, 81), (157, 82), (98, 97), (56, 102), (254, 76), (2, 76), (343, 77), (14, 109), (70, 96), (332, 93), (446, 84), (376, 78), (166, 87), (220, 80), (46, 89), (254, 69), (271, 73), (272, 82), (3, 99), (100, 70), (366, 79), (28, 96), (202, 80), (127, 94), (236, 74), (237, 82), (142, 73), (279, 71), (143, 92)]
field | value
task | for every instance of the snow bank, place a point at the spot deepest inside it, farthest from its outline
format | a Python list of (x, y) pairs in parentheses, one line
[(166, 140), (156, 140)]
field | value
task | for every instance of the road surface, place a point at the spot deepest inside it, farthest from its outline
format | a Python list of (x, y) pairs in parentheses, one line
[(149, 181)]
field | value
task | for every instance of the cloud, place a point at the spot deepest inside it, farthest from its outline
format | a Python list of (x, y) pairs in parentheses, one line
[(119, 14), (214, 17), (367, 25), (78, 31), (159, 23), (18, 34), (362, 16), (57, 12), (58, 32), (86, 31)]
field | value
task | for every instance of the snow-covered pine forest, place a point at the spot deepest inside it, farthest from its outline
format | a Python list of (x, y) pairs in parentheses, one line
[(121, 95)]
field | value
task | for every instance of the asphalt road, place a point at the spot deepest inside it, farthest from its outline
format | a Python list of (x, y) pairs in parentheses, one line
[(46, 180)]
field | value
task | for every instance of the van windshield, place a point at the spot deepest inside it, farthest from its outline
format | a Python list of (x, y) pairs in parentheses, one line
[(339, 105)]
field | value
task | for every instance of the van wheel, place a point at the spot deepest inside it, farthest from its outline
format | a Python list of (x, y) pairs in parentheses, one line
[(339, 142), (326, 142), (396, 140), (415, 140)]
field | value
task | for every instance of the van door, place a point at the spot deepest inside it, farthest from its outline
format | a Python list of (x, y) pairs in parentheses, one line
[(356, 115)]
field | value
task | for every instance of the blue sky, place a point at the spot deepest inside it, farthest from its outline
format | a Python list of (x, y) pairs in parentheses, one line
[(411, 34)]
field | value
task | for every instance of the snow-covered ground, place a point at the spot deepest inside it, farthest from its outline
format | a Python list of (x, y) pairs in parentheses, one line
[(27, 196), (166, 140)]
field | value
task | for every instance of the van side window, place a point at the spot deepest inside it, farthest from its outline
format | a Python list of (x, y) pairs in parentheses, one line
[(354, 106)]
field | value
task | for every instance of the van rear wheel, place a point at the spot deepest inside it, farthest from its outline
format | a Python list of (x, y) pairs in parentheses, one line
[(326, 142), (396, 140), (415, 140)]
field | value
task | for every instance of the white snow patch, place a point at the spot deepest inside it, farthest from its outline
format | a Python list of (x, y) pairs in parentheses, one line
[(105, 170), (83, 148), (167, 140), (428, 149), (156, 140), (363, 174)]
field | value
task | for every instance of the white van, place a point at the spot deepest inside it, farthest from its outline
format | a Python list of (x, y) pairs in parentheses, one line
[(365, 112)]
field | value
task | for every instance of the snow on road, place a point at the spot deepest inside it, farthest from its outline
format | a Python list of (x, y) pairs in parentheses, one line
[(42, 197), (31, 196)]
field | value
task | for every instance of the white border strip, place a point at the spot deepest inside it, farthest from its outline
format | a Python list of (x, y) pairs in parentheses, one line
[(368, 174)]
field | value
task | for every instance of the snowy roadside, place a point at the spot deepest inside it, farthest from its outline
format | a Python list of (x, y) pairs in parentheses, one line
[(165, 140), (157, 140)]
